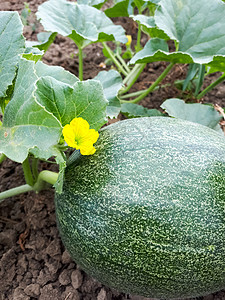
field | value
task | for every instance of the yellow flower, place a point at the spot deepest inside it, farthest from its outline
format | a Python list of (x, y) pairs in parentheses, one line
[(129, 40), (78, 135)]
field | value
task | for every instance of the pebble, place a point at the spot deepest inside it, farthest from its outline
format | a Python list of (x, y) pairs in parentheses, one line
[(76, 279)]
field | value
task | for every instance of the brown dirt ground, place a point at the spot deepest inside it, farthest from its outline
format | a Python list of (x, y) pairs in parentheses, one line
[(33, 261)]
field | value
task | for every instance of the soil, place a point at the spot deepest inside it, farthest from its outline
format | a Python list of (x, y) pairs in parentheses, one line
[(33, 262)]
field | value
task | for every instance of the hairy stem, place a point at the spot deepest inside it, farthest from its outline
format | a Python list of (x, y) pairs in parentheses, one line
[(44, 177), (123, 62), (133, 79), (27, 172), (153, 86), (15, 191), (116, 62), (138, 45), (211, 86), (129, 77), (2, 157), (140, 92), (80, 54), (34, 167)]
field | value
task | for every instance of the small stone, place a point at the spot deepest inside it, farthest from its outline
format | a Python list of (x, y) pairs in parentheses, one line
[(64, 277), (49, 293), (66, 259), (54, 249), (76, 278), (71, 294), (102, 295), (19, 295), (32, 290)]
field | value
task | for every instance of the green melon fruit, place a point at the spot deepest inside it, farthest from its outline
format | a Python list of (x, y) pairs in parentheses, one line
[(146, 213)]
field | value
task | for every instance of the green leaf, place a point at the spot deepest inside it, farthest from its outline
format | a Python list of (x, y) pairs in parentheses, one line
[(111, 82), (194, 112), (85, 100), (26, 123), (199, 35), (32, 53), (157, 50), (56, 72), (121, 8), (148, 26), (198, 32), (82, 23), (132, 110), (12, 44), (45, 39), (95, 3)]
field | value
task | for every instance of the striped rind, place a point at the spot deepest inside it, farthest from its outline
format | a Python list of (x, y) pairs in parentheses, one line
[(146, 213)]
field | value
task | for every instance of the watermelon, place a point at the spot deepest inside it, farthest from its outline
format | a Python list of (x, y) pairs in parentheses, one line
[(146, 213)]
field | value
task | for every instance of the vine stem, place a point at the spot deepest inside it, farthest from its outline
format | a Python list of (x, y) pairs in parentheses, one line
[(80, 54), (211, 86), (43, 178), (116, 62), (15, 191), (153, 86), (2, 157)]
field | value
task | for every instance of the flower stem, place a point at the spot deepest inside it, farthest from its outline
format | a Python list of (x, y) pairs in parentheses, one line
[(116, 62), (2, 157), (27, 172), (15, 191), (133, 79), (153, 86), (80, 54), (211, 86)]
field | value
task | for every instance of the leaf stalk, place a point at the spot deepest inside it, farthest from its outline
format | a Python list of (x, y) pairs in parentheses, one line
[(27, 172), (80, 55), (154, 85), (211, 86), (116, 62)]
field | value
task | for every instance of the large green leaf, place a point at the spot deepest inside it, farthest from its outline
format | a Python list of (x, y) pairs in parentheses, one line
[(194, 112), (32, 53), (149, 27), (85, 100), (56, 72), (45, 39), (95, 3), (199, 35), (82, 23), (132, 110), (12, 44), (112, 83), (120, 8), (27, 124)]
